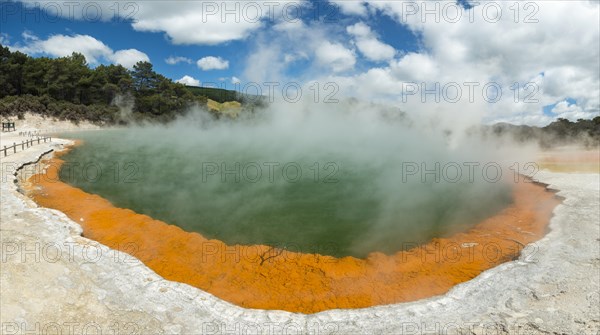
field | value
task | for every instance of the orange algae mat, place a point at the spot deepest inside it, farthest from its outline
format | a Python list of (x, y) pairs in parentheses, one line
[(258, 276)]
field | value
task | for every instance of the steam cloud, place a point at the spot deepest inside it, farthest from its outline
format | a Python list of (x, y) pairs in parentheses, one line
[(185, 173)]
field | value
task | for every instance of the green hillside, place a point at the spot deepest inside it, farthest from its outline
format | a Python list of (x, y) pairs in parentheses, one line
[(222, 95)]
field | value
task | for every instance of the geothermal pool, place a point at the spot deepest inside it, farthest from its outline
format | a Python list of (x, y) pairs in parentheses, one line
[(321, 200), (300, 212)]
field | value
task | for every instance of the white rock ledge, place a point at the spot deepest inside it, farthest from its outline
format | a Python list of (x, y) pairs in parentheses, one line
[(52, 280)]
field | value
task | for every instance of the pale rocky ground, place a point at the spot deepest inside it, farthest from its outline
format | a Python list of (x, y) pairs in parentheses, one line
[(36, 124), (52, 280)]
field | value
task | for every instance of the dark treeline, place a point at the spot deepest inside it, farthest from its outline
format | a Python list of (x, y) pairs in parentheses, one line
[(67, 88), (222, 95), (560, 132)]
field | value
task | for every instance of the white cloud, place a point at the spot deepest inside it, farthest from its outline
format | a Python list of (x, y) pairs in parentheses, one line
[(4, 39), (27, 35), (561, 109), (212, 63), (175, 60), (335, 56), (128, 58), (235, 80), (62, 45), (290, 26), (415, 67), (276, 53), (183, 22), (353, 7), (188, 80), (368, 44), (502, 52), (94, 50), (359, 29), (290, 58), (569, 111), (467, 51), (198, 22)]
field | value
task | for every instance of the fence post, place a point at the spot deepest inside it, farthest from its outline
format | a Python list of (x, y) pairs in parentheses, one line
[(22, 145), (38, 140), (5, 151), (14, 147)]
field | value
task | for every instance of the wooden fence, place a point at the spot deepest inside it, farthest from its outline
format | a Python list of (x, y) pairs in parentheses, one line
[(25, 144)]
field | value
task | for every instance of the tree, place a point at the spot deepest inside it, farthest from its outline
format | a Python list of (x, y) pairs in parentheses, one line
[(66, 87), (11, 72), (144, 78)]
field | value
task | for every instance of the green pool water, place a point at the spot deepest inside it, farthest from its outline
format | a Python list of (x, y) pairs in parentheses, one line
[(345, 197)]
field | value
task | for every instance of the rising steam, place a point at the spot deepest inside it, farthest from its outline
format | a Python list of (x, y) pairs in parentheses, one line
[(342, 179)]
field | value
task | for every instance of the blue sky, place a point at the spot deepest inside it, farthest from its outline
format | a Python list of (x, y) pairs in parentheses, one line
[(369, 49), (118, 33)]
